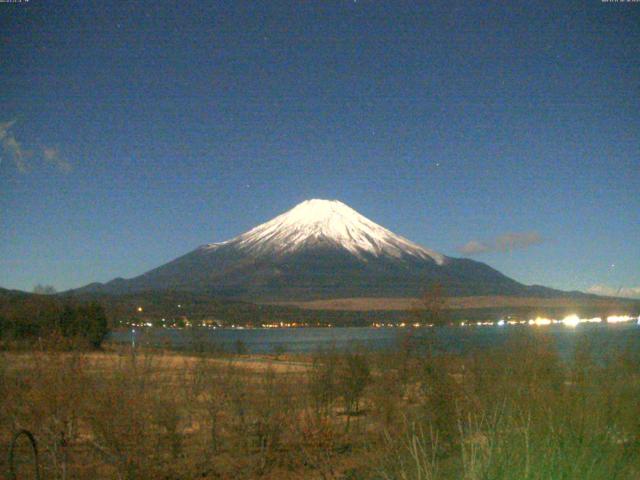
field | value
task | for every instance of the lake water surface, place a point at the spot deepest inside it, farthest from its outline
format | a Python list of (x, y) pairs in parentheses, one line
[(605, 338)]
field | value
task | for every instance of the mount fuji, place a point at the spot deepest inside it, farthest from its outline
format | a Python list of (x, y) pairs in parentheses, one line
[(319, 249)]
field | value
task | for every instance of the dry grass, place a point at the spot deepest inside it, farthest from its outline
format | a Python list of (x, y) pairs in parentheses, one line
[(513, 412), (395, 304), (171, 361)]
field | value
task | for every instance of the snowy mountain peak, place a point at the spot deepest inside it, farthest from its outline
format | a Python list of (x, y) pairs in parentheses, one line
[(326, 222)]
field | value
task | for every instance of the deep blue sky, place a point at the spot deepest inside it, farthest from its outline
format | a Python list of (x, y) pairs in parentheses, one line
[(132, 132)]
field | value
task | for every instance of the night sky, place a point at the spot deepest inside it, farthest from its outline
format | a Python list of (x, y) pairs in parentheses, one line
[(133, 132)]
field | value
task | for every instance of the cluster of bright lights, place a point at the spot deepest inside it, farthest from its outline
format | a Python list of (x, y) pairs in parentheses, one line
[(284, 325), (540, 321), (141, 324), (620, 318), (517, 322), (572, 320), (401, 325)]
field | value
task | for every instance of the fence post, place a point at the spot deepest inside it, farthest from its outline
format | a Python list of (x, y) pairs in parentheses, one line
[(34, 447)]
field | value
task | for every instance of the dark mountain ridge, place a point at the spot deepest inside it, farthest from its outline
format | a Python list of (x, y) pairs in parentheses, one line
[(320, 249)]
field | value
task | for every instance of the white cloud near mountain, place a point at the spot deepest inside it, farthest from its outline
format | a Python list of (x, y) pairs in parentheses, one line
[(12, 150), (52, 156), (628, 292), (474, 247), (502, 243)]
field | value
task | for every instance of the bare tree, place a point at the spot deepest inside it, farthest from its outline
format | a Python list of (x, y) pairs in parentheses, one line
[(431, 307)]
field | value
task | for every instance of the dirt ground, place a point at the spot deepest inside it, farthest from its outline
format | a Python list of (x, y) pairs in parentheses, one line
[(390, 304)]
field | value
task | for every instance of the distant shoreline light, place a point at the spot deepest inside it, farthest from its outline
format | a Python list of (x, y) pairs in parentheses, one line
[(571, 321), (574, 320)]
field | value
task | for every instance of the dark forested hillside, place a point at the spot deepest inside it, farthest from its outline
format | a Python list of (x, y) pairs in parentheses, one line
[(25, 317)]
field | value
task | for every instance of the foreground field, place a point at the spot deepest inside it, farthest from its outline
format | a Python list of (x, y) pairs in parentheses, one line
[(516, 412)]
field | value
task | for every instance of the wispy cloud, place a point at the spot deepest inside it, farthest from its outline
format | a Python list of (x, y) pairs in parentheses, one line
[(502, 243), (474, 247), (628, 292), (12, 150), (513, 241), (52, 156)]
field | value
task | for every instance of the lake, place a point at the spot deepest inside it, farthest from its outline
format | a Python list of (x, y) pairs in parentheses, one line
[(604, 337)]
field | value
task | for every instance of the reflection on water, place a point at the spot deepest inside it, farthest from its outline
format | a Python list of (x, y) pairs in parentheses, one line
[(605, 338)]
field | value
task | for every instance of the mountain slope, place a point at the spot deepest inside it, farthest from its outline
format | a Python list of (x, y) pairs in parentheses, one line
[(320, 249)]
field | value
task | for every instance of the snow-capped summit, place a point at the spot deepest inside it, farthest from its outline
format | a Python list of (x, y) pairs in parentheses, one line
[(326, 222)]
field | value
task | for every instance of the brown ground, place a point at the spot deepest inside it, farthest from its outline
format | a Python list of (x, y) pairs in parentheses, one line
[(368, 304), (171, 361)]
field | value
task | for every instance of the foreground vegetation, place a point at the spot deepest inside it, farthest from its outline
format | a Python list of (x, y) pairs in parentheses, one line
[(515, 412)]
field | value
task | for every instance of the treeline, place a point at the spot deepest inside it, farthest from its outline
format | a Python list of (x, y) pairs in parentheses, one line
[(27, 318), (179, 307), (196, 308)]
